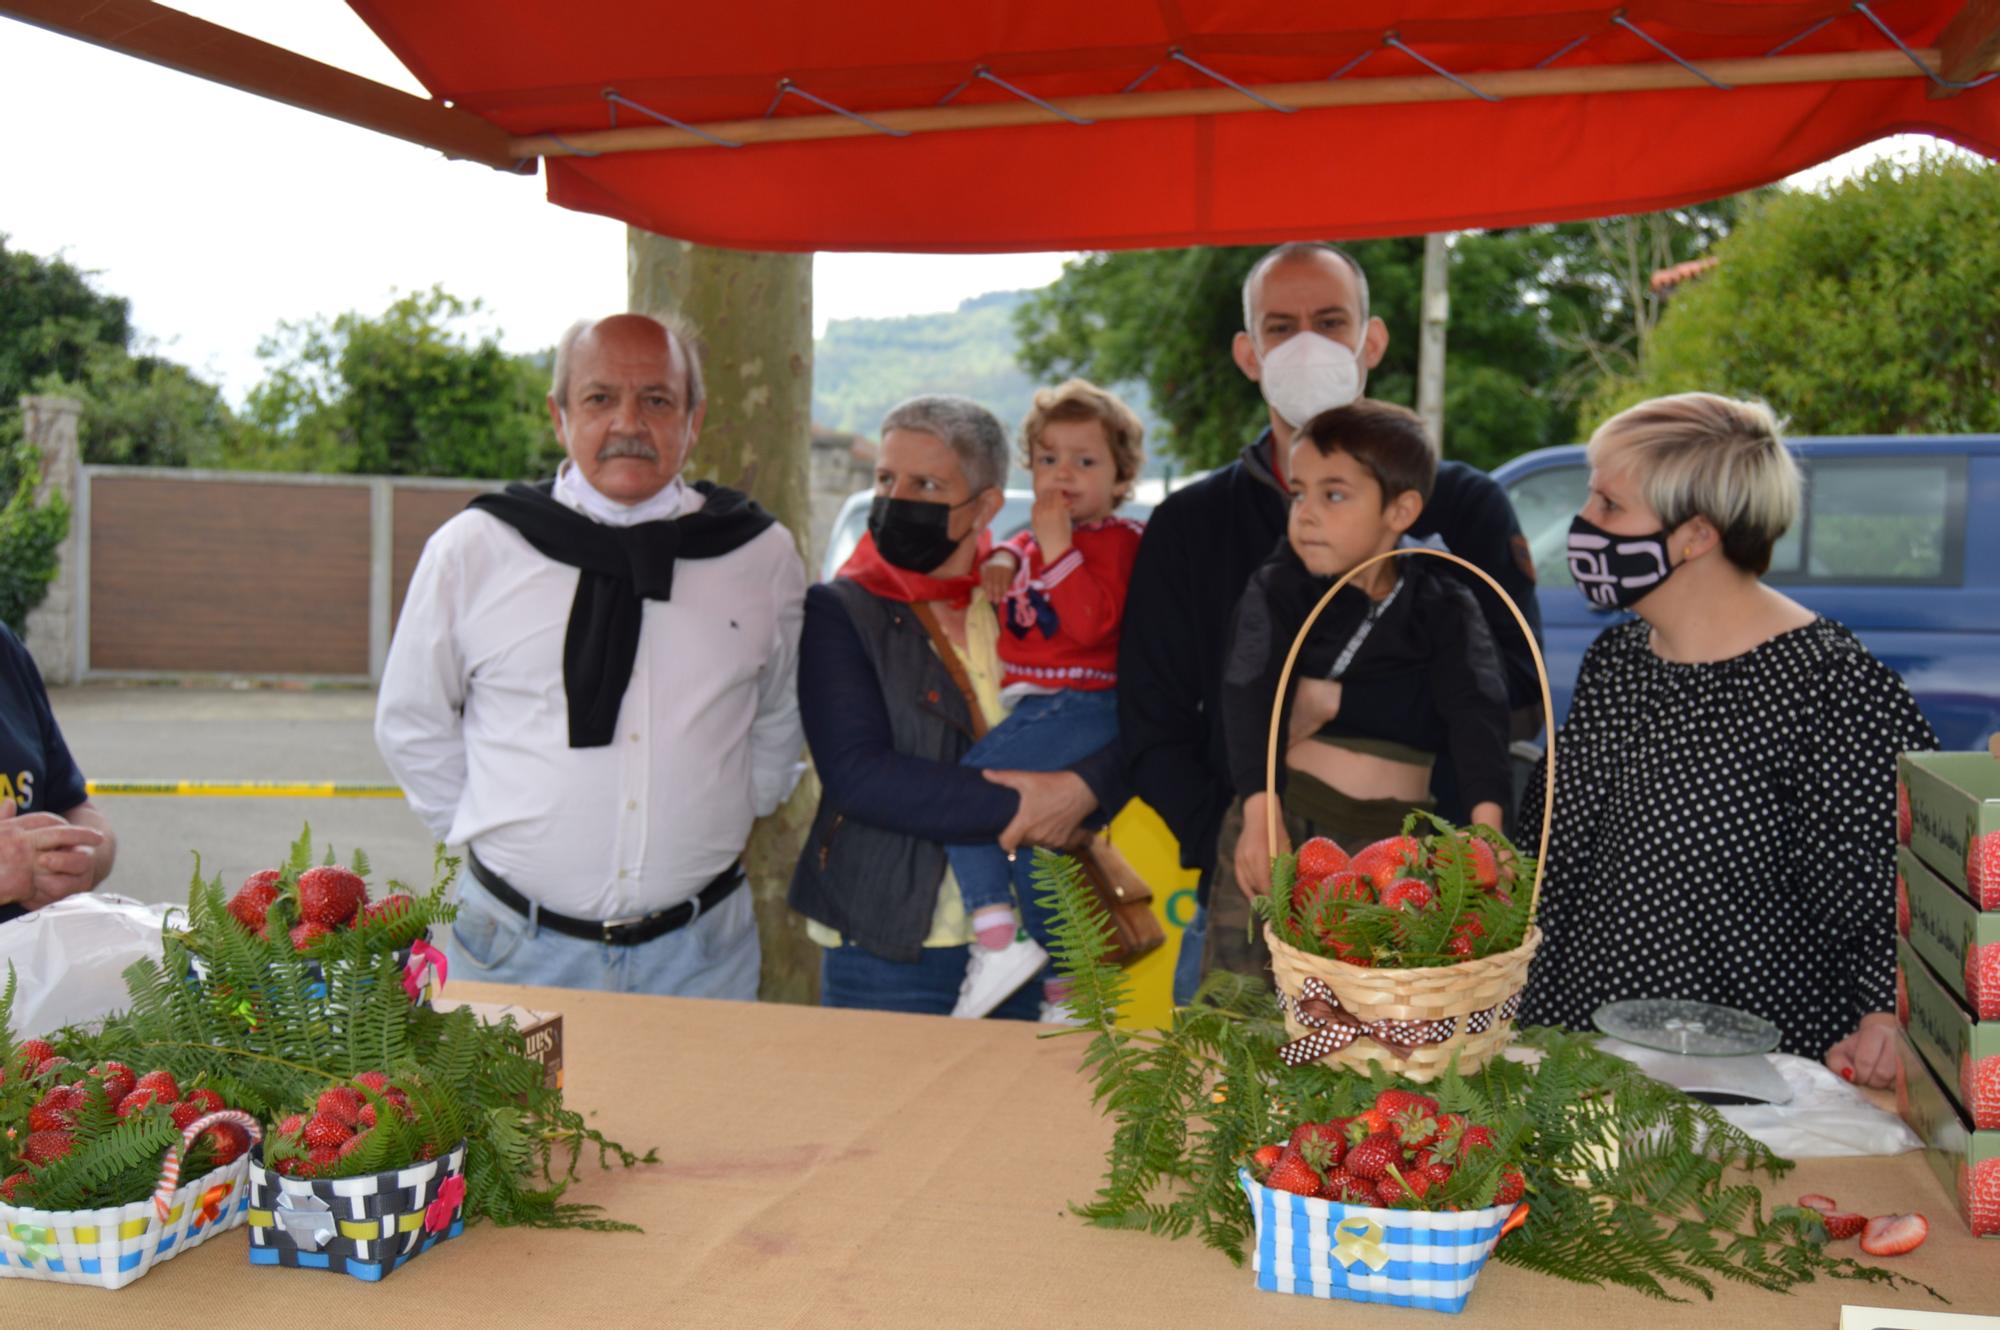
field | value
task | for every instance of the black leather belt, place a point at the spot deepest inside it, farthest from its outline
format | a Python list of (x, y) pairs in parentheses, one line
[(613, 932)]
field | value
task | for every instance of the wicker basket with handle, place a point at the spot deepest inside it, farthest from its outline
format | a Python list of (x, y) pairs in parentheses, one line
[(1413, 1022)]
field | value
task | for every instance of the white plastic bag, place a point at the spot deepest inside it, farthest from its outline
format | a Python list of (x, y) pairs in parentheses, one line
[(69, 958)]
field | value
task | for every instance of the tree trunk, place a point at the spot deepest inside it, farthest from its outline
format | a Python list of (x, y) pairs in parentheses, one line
[(1436, 315), (754, 315)]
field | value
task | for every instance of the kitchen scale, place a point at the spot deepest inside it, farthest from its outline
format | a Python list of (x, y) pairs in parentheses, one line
[(1711, 1053)]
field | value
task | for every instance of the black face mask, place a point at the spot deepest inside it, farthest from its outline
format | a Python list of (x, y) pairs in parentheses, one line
[(1615, 572), (912, 534)]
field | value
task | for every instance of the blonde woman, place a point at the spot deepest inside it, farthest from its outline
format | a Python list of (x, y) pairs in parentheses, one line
[(1725, 804)]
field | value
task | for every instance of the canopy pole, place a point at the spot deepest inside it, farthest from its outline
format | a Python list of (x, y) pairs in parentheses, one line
[(1663, 76), (222, 55), (1969, 44)]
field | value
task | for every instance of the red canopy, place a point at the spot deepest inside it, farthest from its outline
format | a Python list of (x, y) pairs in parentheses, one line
[(1226, 171)]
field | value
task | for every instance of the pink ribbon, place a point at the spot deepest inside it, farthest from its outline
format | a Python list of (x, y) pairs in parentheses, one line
[(437, 1215), (423, 956)]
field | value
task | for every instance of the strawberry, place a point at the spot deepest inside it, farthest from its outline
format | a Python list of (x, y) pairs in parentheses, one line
[(1334, 888), (1469, 854), (208, 1100), (330, 896), (1902, 906), (365, 1118), (1982, 980), (292, 1125), (49, 1066), (353, 1143), (1892, 1235), (1465, 935), (388, 908), (325, 1130), (1842, 1224), (161, 1083), (1400, 1191), (1293, 1174), (324, 1157), (1320, 858), (51, 1117), (1979, 1086), (1982, 868), (1308, 1132), (1393, 1101), (138, 1102), (252, 901), (1261, 1159), (1979, 1194), (1371, 1158), (303, 934), (13, 1182), (186, 1112), (1902, 814), (1812, 1200), (1344, 1187), (226, 1141), (1513, 1186), (374, 1080), (118, 1080), (1368, 1122), (341, 1104), (33, 1053), (1476, 1138), (1407, 893), (1438, 1172), (1387, 860), (45, 1147)]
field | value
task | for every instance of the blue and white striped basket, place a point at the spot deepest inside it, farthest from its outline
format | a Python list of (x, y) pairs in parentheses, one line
[(1405, 1258)]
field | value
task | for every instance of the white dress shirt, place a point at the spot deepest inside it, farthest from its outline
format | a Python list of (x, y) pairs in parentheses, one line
[(473, 720)]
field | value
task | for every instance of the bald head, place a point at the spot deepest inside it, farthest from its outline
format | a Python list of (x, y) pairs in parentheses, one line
[(673, 337)]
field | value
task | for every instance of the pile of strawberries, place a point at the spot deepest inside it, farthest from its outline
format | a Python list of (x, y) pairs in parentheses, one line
[(1884, 1235), (328, 898), (1393, 1154), (1401, 873), (53, 1121), (338, 1125)]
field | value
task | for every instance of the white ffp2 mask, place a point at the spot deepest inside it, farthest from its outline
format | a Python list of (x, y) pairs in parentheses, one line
[(1307, 373)]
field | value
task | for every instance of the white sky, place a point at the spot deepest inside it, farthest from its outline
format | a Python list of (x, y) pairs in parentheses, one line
[(219, 214)]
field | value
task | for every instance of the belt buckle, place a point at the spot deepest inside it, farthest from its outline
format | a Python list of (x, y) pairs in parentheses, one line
[(611, 924)]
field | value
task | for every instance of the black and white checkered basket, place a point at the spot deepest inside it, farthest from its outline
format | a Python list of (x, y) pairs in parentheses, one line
[(366, 1227)]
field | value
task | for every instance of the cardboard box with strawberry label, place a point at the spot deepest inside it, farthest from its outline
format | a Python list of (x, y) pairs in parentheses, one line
[(1959, 942), (1963, 1052), (1966, 1160), (1948, 811)]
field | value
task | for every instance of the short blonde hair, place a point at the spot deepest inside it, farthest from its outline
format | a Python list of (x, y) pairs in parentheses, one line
[(1078, 400), (1704, 455)]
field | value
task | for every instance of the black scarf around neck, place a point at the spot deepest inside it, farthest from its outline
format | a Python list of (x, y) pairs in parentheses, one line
[(618, 570)]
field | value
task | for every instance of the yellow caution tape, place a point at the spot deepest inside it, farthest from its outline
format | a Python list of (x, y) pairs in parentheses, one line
[(248, 789)]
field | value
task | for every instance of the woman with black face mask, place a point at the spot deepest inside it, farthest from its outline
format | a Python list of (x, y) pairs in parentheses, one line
[(1725, 819), (898, 674)]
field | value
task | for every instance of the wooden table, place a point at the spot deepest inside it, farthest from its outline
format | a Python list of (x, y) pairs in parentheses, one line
[(824, 1168)]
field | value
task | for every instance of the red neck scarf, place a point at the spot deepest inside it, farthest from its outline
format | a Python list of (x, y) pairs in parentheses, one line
[(882, 578)]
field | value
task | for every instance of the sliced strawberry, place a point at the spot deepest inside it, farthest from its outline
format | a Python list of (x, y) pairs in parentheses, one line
[(1892, 1235), (1842, 1224), (1812, 1200)]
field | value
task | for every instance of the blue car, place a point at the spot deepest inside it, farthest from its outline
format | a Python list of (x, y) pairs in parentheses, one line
[(1899, 540)]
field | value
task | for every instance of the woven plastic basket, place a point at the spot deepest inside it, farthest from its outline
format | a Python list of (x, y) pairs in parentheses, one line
[(110, 1248), (1412, 1022), (1403, 1258), (367, 1227)]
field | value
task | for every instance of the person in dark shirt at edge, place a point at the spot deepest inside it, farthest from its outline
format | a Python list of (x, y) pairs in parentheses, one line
[(53, 841), (1308, 343), (1399, 669)]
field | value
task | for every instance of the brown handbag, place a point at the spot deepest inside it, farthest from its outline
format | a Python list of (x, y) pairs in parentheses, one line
[(1124, 896)]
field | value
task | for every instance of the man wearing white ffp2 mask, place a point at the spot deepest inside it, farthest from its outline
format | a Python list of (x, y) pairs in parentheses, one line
[(1308, 343)]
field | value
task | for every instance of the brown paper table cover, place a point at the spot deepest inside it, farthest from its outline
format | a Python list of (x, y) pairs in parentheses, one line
[(838, 1168)]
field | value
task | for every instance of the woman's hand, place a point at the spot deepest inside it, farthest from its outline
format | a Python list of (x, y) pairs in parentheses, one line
[(1053, 806), (1253, 852), (1868, 1056), (996, 575)]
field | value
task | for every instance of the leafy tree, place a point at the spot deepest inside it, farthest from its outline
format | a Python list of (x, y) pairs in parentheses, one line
[(408, 392), (1537, 314), (146, 410), (31, 529), (51, 320), (1868, 307)]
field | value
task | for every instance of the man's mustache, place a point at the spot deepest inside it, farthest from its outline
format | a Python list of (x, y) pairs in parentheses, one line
[(627, 447)]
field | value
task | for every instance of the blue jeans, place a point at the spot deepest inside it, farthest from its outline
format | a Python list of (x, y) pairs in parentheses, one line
[(1047, 732), (852, 977), (716, 956), (1187, 965)]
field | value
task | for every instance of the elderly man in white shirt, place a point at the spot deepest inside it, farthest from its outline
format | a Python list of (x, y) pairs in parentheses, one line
[(592, 689)]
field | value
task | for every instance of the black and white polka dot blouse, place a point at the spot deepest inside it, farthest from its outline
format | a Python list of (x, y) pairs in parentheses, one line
[(1726, 832)]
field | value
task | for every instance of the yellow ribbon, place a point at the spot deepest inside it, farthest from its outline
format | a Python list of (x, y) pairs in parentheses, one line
[(1359, 1239)]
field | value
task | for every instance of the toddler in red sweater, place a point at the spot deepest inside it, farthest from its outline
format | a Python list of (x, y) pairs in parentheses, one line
[(1060, 589)]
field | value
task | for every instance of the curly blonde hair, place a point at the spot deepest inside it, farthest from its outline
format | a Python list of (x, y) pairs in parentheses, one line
[(1079, 400)]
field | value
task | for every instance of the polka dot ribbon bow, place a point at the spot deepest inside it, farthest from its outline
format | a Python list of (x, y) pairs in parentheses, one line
[(1334, 1028)]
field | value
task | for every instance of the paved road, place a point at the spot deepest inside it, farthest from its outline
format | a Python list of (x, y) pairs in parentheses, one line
[(159, 732)]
